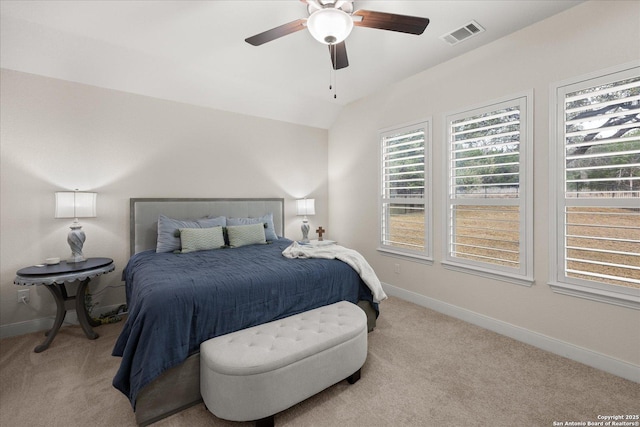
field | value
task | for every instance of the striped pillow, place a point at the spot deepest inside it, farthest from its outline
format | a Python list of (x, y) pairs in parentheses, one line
[(200, 239), (169, 234), (267, 220), (242, 235)]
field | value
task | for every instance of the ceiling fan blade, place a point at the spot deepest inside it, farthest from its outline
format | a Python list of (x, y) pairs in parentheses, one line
[(338, 55), (276, 32), (391, 22)]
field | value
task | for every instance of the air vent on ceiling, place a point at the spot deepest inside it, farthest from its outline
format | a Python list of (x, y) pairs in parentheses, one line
[(462, 33)]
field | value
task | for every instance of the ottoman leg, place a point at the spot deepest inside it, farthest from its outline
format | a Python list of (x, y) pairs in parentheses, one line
[(265, 422), (354, 377)]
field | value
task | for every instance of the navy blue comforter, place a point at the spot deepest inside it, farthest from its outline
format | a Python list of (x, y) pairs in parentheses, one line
[(177, 301)]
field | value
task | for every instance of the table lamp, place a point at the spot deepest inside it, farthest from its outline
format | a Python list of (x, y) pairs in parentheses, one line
[(305, 207), (76, 204)]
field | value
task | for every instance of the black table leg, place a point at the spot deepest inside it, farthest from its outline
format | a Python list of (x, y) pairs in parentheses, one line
[(81, 311), (60, 314), (59, 292)]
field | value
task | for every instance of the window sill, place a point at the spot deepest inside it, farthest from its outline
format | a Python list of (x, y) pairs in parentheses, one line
[(406, 255), (628, 299), (490, 274)]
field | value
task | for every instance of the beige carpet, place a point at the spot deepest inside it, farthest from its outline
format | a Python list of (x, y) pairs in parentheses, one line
[(423, 369)]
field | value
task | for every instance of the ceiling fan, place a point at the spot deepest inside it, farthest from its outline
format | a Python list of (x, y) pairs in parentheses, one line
[(331, 21)]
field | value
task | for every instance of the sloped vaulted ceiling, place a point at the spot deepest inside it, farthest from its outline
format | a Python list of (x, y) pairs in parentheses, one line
[(194, 51)]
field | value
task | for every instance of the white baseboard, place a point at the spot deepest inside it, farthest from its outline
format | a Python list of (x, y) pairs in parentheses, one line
[(44, 323), (588, 357)]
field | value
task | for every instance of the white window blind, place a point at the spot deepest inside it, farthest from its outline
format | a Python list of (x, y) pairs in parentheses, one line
[(485, 154), (599, 126), (488, 226), (404, 190)]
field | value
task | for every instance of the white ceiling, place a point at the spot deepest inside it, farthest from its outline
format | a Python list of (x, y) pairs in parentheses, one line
[(194, 51)]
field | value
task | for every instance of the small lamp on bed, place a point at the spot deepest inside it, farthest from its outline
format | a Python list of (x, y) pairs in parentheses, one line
[(305, 207), (75, 204)]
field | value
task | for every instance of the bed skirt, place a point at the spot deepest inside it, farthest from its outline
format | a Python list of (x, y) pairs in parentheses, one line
[(179, 387)]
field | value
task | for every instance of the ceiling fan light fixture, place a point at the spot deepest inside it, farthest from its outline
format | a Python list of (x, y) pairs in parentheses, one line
[(330, 26)]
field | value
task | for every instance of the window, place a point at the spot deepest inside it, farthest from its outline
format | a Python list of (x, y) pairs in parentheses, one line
[(405, 200), (596, 205), (489, 202)]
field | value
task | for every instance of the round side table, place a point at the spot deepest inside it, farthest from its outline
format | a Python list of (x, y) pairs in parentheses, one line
[(55, 277)]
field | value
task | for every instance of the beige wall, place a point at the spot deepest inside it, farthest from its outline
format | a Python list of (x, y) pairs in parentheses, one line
[(58, 135), (592, 36)]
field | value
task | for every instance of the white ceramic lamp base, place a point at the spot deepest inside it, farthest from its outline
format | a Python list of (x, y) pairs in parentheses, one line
[(76, 238), (305, 231)]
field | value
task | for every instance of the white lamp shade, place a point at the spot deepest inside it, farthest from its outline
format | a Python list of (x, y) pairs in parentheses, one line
[(330, 26), (75, 204), (306, 206)]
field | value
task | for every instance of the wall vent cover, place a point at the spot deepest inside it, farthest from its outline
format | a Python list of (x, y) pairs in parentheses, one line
[(462, 33)]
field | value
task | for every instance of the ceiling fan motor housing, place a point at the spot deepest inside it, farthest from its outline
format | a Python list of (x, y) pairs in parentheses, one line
[(330, 25)]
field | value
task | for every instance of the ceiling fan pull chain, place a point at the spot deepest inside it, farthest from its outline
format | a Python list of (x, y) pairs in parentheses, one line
[(333, 70), (332, 78)]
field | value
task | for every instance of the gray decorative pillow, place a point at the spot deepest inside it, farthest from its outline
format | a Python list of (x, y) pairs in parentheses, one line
[(267, 220), (242, 235), (201, 239), (168, 230)]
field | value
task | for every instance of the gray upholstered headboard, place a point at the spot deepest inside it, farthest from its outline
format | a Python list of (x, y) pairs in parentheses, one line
[(143, 214)]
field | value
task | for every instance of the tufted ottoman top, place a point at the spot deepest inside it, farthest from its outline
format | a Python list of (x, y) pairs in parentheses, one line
[(270, 346)]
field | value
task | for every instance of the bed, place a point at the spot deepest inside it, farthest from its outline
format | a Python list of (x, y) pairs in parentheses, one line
[(178, 300)]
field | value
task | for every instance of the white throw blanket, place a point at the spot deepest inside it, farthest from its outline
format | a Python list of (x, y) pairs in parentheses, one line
[(348, 256)]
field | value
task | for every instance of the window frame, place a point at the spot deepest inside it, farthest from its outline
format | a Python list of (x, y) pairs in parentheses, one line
[(426, 255), (558, 281), (524, 275)]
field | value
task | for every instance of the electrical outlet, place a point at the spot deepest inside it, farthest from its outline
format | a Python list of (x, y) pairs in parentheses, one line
[(23, 295)]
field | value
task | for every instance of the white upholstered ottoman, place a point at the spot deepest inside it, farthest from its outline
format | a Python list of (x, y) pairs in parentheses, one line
[(257, 372)]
